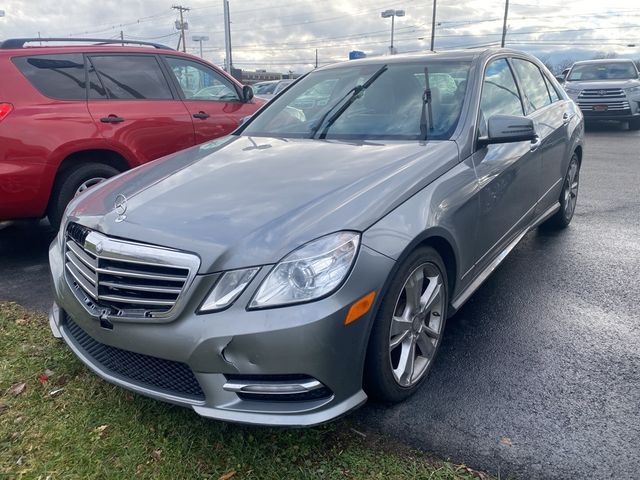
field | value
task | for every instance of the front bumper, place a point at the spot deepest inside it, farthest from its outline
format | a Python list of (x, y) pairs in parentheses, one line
[(297, 346)]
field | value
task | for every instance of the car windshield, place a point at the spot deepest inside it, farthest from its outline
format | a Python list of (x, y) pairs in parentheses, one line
[(389, 107), (603, 71)]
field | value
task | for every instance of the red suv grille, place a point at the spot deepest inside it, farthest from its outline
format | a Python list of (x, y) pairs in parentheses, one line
[(5, 109)]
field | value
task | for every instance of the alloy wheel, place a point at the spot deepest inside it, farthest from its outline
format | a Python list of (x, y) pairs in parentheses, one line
[(416, 325), (571, 189)]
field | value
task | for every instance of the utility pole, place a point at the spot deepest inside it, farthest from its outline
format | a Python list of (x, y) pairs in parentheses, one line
[(122, 37), (316, 58), (227, 37), (433, 26), (504, 26), (181, 26)]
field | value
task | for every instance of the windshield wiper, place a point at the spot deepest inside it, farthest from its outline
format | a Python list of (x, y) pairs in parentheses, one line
[(353, 94), (426, 106)]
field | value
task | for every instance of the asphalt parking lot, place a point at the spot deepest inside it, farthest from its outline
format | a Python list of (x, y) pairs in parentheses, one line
[(539, 373)]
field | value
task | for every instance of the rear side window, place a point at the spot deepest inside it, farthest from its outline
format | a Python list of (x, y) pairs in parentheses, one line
[(499, 91), (56, 76), (131, 77), (533, 85)]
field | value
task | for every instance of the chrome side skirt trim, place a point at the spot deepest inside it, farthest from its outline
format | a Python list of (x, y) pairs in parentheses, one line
[(479, 280)]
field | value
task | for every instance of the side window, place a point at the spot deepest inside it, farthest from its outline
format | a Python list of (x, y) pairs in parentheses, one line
[(131, 77), (199, 82), (552, 91), (499, 92), (55, 76), (533, 85)]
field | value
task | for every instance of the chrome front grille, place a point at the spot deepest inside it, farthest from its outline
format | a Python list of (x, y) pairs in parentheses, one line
[(613, 98), (117, 279)]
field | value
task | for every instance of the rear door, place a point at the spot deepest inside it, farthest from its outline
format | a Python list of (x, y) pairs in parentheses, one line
[(135, 108), (212, 99), (508, 174), (543, 106)]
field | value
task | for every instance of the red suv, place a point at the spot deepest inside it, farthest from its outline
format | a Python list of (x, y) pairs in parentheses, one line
[(71, 116)]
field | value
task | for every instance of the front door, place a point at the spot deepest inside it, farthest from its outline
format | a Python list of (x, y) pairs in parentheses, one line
[(508, 174), (134, 108), (211, 98)]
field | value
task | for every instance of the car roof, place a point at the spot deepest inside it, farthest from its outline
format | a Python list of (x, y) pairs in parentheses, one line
[(470, 55), (604, 60)]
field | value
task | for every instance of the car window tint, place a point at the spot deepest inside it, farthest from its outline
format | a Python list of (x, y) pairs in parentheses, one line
[(533, 85), (199, 82), (132, 77), (552, 90), (55, 76), (499, 92)]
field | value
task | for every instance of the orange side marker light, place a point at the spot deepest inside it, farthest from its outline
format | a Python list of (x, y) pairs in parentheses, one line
[(360, 307)]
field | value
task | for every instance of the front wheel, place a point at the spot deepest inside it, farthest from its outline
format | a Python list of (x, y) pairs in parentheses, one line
[(568, 197), (408, 329)]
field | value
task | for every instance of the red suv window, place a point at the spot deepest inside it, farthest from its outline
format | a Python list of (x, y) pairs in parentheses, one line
[(55, 76)]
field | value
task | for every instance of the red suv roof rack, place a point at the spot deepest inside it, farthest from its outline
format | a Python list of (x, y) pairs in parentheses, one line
[(19, 42)]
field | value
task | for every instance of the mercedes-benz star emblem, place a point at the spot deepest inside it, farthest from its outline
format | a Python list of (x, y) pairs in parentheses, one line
[(99, 247), (121, 207), (602, 93)]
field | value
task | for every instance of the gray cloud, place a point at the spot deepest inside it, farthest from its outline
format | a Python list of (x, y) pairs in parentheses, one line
[(284, 35)]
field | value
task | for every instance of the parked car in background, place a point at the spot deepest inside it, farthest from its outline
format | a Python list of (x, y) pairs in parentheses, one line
[(606, 90), (72, 116), (273, 88), (264, 88), (276, 275)]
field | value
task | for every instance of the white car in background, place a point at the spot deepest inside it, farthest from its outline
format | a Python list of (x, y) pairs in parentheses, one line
[(268, 90), (606, 90)]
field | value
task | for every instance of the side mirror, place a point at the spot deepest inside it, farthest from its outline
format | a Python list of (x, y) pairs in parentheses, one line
[(508, 129), (560, 78), (247, 94)]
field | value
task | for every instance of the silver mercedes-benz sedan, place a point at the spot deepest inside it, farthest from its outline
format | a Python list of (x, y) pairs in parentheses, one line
[(282, 274)]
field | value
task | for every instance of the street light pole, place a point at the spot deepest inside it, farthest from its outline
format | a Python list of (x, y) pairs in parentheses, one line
[(433, 26), (200, 39), (504, 25), (393, 14)]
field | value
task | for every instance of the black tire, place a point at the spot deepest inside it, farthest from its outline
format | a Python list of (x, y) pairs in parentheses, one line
[(380, 382), (562, 218), (634, 124), (67, 185)]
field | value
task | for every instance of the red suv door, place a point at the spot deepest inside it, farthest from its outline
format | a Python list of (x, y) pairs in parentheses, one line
[(212, 99), (135, 107)]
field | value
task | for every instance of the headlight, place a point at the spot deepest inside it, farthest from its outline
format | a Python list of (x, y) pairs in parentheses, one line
[(227, 289), (311, 272), (633, 90), (572, 91)]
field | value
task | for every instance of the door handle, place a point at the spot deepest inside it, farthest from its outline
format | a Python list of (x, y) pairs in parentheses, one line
[(112, 119), (535, 143), (566, 118), (201, 115)]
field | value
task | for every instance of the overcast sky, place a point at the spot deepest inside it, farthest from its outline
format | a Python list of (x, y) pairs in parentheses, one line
[(284, 35)]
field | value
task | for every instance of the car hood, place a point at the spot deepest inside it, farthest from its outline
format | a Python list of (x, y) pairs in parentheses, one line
[(242, 201), (595, 84)]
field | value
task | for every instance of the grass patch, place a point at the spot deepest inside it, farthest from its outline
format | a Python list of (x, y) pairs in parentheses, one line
[(65, 422)]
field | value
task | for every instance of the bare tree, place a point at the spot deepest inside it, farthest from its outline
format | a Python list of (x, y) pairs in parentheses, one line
[(604, 55), (546, 60)]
